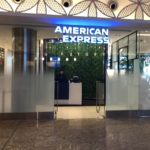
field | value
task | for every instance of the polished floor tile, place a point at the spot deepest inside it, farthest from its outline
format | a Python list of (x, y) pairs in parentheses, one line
[(7, 128), (76, 134)]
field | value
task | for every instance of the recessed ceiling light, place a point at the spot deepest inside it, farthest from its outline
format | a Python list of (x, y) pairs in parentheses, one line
[(18, 1)]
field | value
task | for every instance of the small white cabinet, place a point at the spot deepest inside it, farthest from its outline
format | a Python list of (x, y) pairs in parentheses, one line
[(75, 95)]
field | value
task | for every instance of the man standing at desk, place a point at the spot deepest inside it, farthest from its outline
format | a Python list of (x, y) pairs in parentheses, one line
[(61, 86)]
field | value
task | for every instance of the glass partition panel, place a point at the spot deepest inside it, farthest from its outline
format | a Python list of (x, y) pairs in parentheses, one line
[(23, 89), (115, 65), (114, 58), (128, 89), (144, 87), (144, 78), (122, 89), (114, 52), (124, 51), (123, 42), (132, 46), (33, 93), (122, 82), (123, 58), (2, 58)]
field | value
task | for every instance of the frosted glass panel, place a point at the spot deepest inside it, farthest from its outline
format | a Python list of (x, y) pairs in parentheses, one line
[(122, 89), (27, 90), (144, 92), (144, 78), (32, 93), (27, 93)]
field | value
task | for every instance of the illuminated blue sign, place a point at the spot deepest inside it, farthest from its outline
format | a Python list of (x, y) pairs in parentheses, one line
[(54, 62), (83, 34)]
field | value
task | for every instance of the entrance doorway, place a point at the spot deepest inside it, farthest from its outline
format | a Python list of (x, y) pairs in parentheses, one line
[(80, 91)]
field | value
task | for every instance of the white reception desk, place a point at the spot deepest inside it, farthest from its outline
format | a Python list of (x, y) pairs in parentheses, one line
[(75, 95)]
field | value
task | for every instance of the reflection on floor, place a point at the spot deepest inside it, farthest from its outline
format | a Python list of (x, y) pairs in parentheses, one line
[(75, 134), (79, 112)]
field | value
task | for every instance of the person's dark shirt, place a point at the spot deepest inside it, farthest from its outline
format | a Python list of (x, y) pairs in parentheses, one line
[(61, 78)]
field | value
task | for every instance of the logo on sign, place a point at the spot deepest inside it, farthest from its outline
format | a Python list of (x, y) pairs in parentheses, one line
[(83, 34)]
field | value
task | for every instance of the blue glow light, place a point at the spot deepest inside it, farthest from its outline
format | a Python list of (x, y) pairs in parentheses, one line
[(54, 62), (83, 22)]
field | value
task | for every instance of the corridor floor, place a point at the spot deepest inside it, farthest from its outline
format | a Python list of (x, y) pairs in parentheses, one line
[(75, 134), (80, 112)]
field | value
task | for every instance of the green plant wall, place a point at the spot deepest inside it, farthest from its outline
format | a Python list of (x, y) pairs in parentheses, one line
[(88, 65)]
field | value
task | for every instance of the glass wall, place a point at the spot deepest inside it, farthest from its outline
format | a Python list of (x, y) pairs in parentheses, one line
[(144, 65), (122, 89), (128, 79), (26, 83)]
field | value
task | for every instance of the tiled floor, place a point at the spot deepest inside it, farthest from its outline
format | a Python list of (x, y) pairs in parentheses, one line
[(76, 134), (79, 112)]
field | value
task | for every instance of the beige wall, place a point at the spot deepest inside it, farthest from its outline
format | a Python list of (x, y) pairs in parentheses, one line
[(46, 33), (116, 35), (6, 37)]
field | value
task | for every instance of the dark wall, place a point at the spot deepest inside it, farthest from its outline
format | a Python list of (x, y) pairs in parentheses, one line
[(2, 56), (24, 45)]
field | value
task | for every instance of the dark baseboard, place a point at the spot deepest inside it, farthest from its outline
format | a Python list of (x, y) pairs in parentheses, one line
[(144, 113), (92, 102), (67, 105), (122, 114), (27, 116), (127, 113)]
